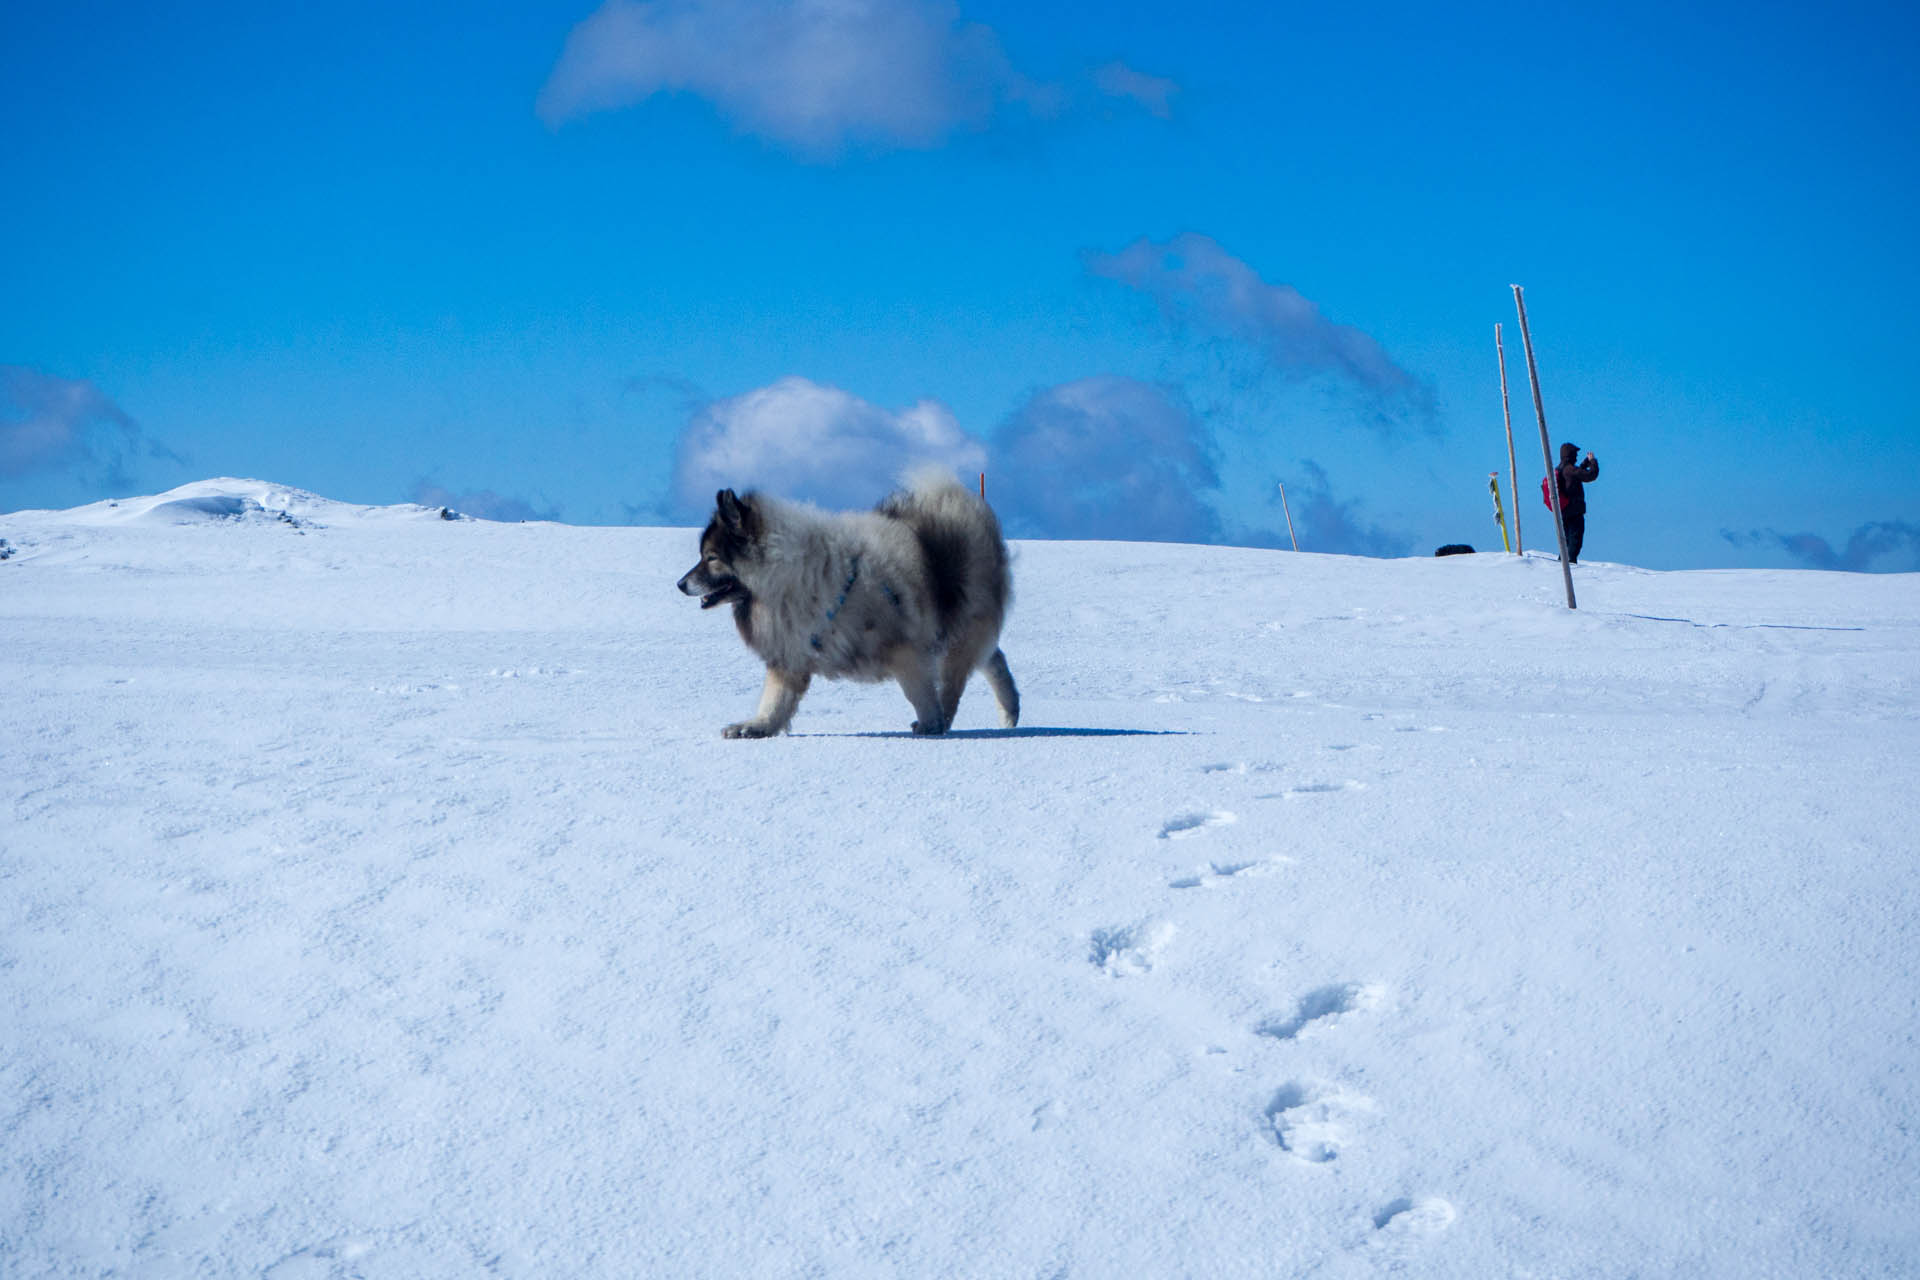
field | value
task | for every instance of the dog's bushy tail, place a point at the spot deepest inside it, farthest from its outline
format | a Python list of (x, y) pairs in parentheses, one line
[(925, 477), (960, 539)]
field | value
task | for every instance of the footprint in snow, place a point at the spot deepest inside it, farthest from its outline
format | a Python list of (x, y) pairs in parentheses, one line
[(321, 1261), (415, 688), (1320, 1006), (1186, 825), (1215, 872), (1314, 789), (1428, 1215), (1126, 951), (1313, 1123), (1402, 1228)]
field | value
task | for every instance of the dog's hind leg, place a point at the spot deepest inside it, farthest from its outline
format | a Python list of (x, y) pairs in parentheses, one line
[(1000, 680), (778, 699), (915, 675), (963, 654)]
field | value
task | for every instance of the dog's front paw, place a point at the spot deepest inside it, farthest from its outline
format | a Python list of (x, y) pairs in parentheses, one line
[(748, 729), (928, 730)]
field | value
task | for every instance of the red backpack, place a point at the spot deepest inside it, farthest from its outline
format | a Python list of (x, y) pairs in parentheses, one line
[(1546, 492)]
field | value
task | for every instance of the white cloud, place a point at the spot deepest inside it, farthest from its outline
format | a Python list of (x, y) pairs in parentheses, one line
[(799, 439), (1100, 457), (1105, 457), (1196, 281), (816, 74)]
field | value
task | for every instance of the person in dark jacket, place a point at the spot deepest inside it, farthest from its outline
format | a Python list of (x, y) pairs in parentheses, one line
[(1573, 478)]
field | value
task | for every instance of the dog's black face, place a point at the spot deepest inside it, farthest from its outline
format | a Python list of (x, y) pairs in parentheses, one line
[(727, 540)]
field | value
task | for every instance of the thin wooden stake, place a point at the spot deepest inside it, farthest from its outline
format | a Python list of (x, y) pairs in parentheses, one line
[(1289, 515), (1513, 470), (1546, 449), (983, 486)]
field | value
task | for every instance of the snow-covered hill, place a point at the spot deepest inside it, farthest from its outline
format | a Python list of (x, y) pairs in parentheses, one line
[(227, 500), (378, 898)]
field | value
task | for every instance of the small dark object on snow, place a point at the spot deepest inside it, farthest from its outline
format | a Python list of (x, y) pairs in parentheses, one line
[(1455, 549), (448, 513)]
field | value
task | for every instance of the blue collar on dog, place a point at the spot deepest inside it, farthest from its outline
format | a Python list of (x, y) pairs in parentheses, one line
[(852, 576)]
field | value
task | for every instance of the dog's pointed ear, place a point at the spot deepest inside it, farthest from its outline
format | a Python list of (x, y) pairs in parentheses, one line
[(728, 504)]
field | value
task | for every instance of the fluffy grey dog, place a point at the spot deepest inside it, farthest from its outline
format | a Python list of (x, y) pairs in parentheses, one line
[(915, 591)]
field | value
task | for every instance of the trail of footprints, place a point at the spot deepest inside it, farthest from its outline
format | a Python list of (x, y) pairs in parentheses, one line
[(1312, 1120)]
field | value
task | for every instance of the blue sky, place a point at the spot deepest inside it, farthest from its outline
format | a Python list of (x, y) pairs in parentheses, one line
[(1141, 264)]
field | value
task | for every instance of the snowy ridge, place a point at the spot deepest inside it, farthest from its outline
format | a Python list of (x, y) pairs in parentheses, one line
[(229, 500), (382, 900)]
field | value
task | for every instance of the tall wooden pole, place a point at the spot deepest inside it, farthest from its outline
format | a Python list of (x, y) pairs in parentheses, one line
[(1546, 449), (1289, 515), (1513, 471)]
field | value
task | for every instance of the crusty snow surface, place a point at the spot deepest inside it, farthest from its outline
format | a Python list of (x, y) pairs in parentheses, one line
[(379, 898)]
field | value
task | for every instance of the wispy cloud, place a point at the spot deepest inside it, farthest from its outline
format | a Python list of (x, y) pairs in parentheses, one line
[(1883, 546), (483, 504), (1105, 457), (1155, 94), (816, 76), (1325, 522), (49, 423), (1197, 283), (800, 439)]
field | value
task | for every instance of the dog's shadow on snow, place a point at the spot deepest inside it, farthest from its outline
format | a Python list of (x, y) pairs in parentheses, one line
[(1036, 731)]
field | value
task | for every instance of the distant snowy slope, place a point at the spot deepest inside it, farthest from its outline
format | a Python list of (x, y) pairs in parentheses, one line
[(378, 898), (229, 500)]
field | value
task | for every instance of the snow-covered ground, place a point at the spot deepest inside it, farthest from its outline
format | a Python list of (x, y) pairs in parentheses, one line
[(378, 898)]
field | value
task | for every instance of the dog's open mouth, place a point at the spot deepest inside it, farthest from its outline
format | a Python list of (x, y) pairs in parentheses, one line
[(723, 593)]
